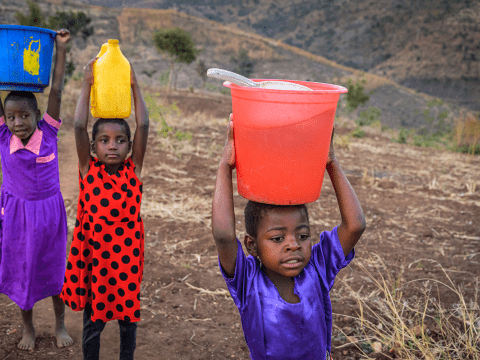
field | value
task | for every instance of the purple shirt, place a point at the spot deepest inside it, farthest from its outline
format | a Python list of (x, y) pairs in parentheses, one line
[(275, 329)]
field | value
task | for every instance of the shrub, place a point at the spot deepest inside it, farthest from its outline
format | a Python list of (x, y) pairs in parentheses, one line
[(243, 63), (402, 136), (467, 133), (358, 133), (35, 18), (369, 116), (73, 22), (356, 94)]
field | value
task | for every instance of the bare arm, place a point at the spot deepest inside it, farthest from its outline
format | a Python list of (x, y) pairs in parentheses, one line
[(81, 120), (353, 220), (55, 97), (223, 215), (2, 113), (141, 133)]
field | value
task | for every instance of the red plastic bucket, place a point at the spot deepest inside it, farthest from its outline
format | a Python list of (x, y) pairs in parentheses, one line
[(282, 139)]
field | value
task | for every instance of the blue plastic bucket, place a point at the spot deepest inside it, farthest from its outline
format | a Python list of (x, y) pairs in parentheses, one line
[(25, 57)]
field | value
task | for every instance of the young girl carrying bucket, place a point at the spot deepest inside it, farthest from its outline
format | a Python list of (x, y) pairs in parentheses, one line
[(33, 221), (105, 265), (282, 289)]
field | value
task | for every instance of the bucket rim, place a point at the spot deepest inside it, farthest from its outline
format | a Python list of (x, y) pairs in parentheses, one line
[(334, 89), (53, 33)]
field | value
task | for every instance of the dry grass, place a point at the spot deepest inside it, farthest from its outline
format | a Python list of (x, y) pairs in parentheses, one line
[(467, 131), (417, 328)]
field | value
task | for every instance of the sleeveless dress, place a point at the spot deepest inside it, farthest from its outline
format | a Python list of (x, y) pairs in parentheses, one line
[(33, 221), (105, 264)]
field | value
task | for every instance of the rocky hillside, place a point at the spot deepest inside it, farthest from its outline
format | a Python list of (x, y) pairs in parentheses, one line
[(428, 45), (273, 59)]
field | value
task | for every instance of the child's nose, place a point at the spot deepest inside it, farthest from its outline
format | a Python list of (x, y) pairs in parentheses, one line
[(292, 243)]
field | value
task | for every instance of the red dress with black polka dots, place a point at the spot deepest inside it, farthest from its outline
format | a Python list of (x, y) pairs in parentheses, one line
[(105, 264)]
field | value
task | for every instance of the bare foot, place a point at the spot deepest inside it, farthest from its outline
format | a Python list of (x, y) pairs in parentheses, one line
[(28, 340), (63, 340)]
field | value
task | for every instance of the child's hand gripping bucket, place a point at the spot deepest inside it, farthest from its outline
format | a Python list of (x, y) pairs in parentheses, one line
[(26, 57), (282, 139)]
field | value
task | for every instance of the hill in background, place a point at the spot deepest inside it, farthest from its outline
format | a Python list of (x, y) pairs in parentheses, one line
[(274, 59), (432, 46)]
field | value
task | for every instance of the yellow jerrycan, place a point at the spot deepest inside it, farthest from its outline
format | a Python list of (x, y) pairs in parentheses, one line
[(111, 90), (93, 95), (103, 50)]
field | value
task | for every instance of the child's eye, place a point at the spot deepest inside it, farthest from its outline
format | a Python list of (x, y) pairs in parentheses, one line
[(277, 239), (104, 141), (304, 237), (121, 141)]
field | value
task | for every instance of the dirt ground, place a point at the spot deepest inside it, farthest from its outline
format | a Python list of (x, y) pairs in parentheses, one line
[(420, 204)]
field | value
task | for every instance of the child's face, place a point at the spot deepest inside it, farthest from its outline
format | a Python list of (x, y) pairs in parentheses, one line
[(283, 241), (111, 144), (20, 118)]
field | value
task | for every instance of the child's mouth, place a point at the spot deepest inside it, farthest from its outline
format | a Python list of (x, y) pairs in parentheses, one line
[(292, 263)]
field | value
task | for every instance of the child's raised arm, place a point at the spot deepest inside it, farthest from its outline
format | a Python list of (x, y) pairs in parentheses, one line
[(223, 215), (81, 120), (141, 133), (2, 113), (353, 221), (55, 97)]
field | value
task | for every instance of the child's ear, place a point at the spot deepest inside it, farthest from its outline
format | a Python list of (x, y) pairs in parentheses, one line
[(93, 146), (129, 146), (250, 245), (38, 115)]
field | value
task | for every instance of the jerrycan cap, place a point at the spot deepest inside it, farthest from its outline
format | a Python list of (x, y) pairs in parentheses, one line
[(112, 42)]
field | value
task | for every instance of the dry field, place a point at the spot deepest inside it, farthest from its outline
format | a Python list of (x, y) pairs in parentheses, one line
[(412, 285)]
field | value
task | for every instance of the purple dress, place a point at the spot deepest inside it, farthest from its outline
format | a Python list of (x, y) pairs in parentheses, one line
[(33, 221), (275, 329)]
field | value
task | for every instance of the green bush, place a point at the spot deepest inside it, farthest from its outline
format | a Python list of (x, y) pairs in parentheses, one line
[(73, 22), (35, 18), (402, 136), (369, 116), (358, 133), (468, 149), (356, 94), (243, 63)]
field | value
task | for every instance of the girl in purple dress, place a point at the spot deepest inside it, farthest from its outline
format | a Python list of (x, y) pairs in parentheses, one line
[(33, 223), (282, 289)]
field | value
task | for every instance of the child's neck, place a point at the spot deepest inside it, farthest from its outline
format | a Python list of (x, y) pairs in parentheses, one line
[(26, 140), (112, 169), (284, 285)]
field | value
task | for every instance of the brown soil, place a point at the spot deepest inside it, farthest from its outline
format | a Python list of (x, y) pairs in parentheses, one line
[(417, 204)]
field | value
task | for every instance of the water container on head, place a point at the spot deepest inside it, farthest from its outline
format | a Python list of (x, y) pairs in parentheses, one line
[(103, 50), (26, 57), (111, 89), (281, 140)]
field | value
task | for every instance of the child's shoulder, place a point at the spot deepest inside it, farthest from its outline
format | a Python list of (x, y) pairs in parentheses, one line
[(48, 123)]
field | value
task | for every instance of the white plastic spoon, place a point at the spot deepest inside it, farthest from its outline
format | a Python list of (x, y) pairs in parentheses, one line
[(243, 81)]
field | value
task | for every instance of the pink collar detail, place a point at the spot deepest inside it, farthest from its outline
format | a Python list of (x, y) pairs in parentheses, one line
[(33, 144)]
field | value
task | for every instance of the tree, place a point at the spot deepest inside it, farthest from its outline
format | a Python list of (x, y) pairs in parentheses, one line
[(178, 45), (73, 22), (35, 18), (243, 63), (202, 71), (356, 95)]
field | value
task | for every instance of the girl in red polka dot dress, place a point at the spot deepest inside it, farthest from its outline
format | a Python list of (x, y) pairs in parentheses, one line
[(105, 264)]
